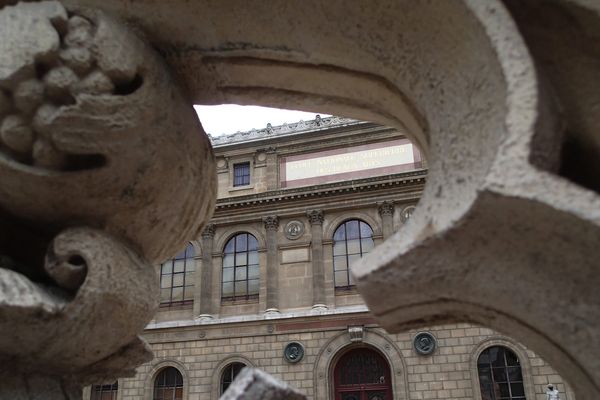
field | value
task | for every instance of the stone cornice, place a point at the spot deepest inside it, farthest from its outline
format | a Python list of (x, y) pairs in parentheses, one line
[(324, 190), (283, 130)]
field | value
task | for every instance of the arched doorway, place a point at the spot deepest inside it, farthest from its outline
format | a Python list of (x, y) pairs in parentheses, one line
[(362, 374)]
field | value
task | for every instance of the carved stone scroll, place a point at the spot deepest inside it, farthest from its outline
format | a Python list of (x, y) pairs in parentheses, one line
[(101, 159)]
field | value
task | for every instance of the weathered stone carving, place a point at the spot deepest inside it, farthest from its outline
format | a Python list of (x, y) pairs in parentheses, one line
[(101, 156), (253, 384)]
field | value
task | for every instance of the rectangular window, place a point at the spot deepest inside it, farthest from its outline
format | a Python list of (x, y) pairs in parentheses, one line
[(241, 174)]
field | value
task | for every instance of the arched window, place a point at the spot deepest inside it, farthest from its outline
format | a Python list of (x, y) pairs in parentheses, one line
[(177, 279), (351, 241), (229, 374), (500, 376), (105, 392), (241, 271), (168, 385), (362, 374)]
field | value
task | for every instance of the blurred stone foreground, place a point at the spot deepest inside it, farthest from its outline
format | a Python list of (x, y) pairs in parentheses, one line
[(103, 172)]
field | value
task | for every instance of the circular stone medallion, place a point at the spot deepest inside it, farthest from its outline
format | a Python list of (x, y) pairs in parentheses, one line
[(294, 229), (293, 352), (424, 343)]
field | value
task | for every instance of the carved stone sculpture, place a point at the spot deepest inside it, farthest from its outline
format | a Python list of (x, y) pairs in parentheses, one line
[(101, 156), (552, 393), (253, 384)]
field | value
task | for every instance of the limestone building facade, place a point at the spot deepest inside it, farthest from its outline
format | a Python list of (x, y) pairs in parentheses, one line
[(267, 284)]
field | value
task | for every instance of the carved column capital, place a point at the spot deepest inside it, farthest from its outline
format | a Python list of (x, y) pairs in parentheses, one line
[(386, 208), (209, 231), (271, 222), (315, 217)]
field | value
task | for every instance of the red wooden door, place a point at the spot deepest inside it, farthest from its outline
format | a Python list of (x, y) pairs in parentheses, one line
[(362, 374)]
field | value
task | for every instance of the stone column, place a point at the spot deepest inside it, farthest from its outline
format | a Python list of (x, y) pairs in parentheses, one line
[(315, 217), (386, 211), (203, 293), (271, 225)]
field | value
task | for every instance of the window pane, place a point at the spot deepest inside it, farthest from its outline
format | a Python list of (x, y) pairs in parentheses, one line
[(177, 294), (511, 358), (341, 278), (241, 242), (190, 264), (165, 295), (180, 255), (253, 257), (503, 390), (367, 245), (252, 243), (241, 259), (189, 251), (227, 289), (227, 274), (499, 374), (253, 286), (177, 280), (365, 230), (178, 266), (178, 393), (253, 272), (165, 281), (351, 279), (228, 260), (340, 263), (339, 248), (352, 229), (514, 374), (496, 356), (517, 389), (240, 273), (229, 247), (340, 234), (240, 288), (352, 260), (167, 267), (353, 246)]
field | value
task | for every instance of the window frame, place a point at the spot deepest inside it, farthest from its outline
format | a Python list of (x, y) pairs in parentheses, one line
[(229, 368), (177, 385), (343, 225), (97, 391), (482, 366), (239, 165), (189, 259), (242, 297)]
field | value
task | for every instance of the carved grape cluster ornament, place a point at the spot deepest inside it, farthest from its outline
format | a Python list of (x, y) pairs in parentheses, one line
[(101, 158)]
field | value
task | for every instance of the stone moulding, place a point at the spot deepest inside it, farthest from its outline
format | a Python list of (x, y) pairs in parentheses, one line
[(99, 181)]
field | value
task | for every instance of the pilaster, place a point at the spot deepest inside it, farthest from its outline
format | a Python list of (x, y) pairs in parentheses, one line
[(203, 296), (386, 212), (315, 217), (271, 223)]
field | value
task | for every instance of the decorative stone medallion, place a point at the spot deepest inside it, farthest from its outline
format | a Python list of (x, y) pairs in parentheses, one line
[(407, 212), (294, 229), (293, 352), (424, 343)]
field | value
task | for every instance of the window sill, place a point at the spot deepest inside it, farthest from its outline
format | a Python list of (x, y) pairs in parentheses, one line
[(234, 301), (346, 290), (237, 188), (177, 305)]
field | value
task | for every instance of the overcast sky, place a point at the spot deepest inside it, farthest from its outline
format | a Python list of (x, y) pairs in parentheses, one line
[(230, 118)]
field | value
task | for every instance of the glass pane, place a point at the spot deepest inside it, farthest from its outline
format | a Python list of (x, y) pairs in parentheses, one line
[(339, 248), (340, 263), (165, 295), (178, 266), (378, 395), (227, 289), (228, 260), (240, 288), (229, 247), (367, 245), (253, 286), (178, 394), (341, 278), (227, 274), (514, 374), (190, 264), (168, 394), (177, 280), (253, 272), (167, 267), (189, 278), (365, 230), (352, 230), (499, 374), (511, 358), (353, 259), (180, 255), (351, 279), (253, 257), (353, 246), (241, 242), (252, 243), (189, 251), (496, 356), (165, 281), (503, 390), (158, 394), (171, 376), (177, 294), (188, 293), (240, 273), (241, 259), (484, 358), (517, 389), (351, 396), (340, 234)]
